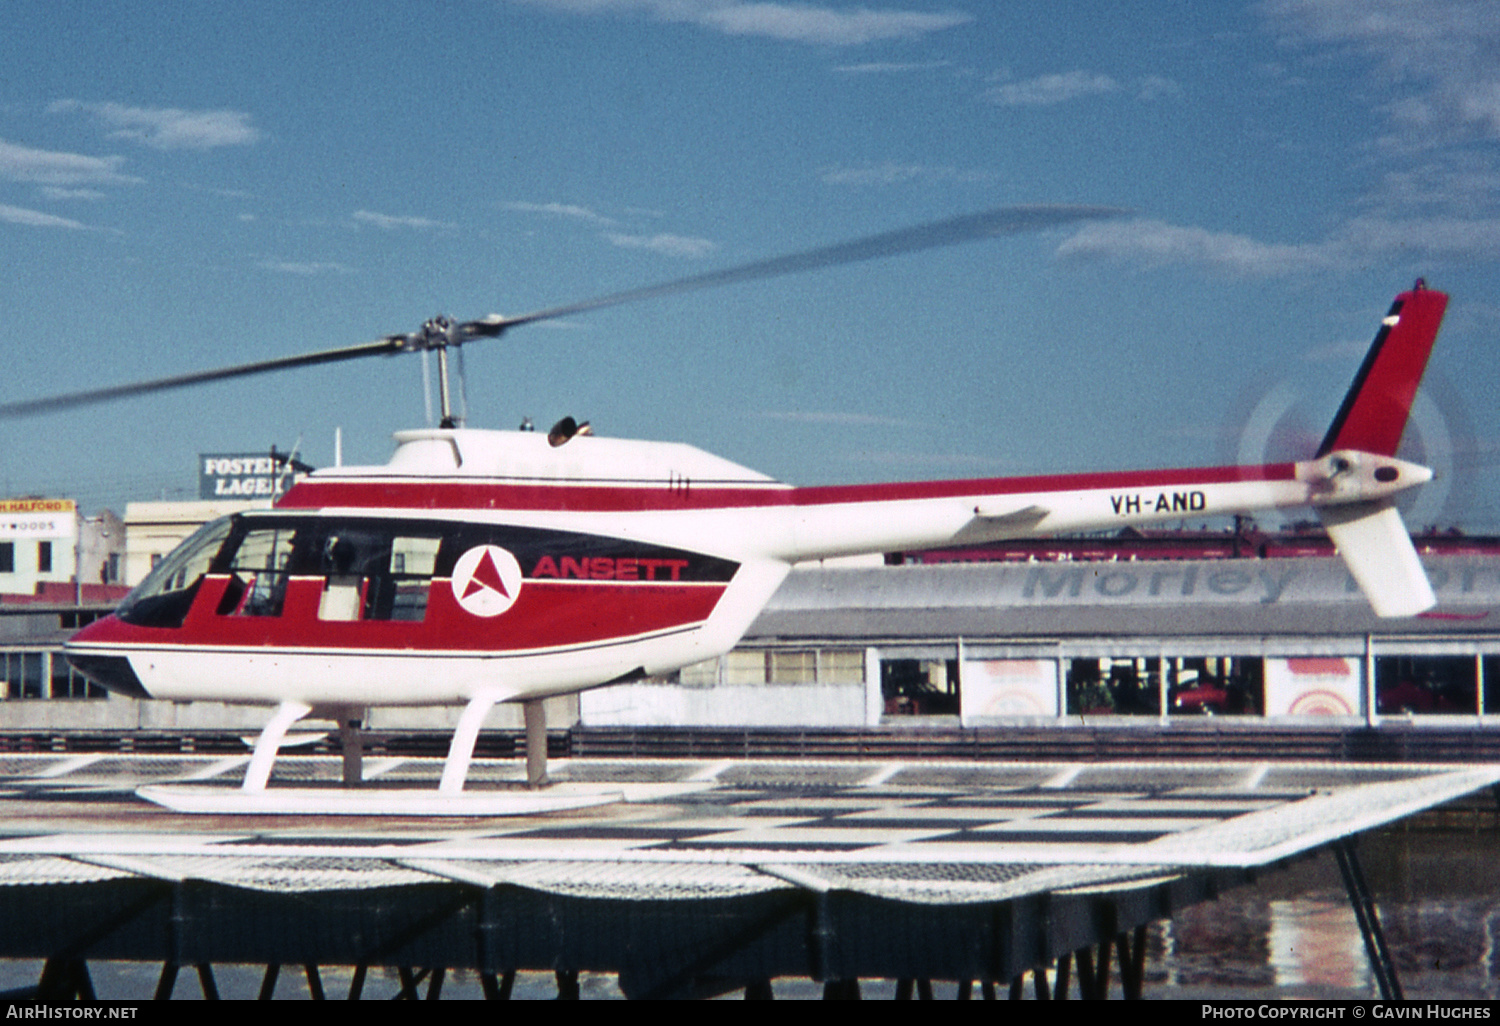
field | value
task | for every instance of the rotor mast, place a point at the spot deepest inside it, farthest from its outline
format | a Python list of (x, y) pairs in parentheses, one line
[(437, 335)]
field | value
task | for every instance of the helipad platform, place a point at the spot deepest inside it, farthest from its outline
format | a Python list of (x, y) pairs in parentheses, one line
[(706, 876)]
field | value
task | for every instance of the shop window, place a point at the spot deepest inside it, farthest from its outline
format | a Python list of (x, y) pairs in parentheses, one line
[(745, 667), (700, 675), (1492, 685), (1216, 686), (32, 675), (841, 666), (920, 687), (1113, 687), (44, 557), (7, 557), (1426, 685), (23, 674), (794, 667), (68, 683)]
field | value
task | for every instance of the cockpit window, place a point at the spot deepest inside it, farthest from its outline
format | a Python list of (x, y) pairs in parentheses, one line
[(163, 598)]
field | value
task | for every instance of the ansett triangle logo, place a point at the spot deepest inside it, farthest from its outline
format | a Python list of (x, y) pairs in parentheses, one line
[(486, 580)]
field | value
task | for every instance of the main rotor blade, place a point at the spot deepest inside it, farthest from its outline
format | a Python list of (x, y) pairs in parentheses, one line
[(54, 403), (932, 235)]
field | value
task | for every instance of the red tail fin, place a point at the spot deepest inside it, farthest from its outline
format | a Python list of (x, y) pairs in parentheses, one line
[(1374, 412)]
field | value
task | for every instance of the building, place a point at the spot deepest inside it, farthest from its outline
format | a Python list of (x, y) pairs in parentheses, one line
[(51, 554), (1075, 642), (53, 564)]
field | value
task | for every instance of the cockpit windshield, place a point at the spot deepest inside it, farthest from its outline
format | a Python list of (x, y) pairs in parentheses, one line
[(163, 598)]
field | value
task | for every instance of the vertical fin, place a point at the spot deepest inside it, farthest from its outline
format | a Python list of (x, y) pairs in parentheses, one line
[(1370, 536), (1373, 415)]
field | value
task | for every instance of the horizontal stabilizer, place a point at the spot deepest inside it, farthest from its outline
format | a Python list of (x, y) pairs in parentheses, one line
[(1378, 551)]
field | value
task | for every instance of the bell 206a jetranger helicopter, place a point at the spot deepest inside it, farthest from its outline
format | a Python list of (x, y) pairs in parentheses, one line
[(479, 567)]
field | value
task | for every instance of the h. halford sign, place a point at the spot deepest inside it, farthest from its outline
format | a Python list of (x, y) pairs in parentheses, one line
[(38, 518)]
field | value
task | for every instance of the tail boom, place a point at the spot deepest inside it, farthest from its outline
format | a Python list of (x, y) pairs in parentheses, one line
[(820, 523)]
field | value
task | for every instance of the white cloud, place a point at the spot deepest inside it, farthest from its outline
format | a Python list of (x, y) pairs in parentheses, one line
[(54, 192), (1431, 65), (797, 23), (890, 67), (1459, 182), (1440, 52), (887, 173), (1359, 241), (1156, 243), (49, 167), (665, 243), (893, 173), (389, 222), (1154, 87), (304, 268), (168, 128), (670, 245), (37, 219), (1436, 236), (562, 210), (1046, 90), (222, 193)]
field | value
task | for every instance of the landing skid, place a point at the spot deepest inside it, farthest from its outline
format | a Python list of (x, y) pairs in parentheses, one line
[(450, 799)]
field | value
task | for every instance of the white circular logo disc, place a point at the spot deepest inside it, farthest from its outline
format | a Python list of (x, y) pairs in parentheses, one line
[(486, 580)]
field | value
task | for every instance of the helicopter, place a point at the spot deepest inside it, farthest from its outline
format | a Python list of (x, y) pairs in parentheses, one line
[(478, 566)]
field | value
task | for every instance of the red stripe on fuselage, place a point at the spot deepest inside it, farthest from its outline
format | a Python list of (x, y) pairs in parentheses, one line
[(545, 615), (421, 493)]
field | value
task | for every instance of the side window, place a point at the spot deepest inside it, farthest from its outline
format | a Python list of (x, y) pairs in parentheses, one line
[(376, 573), (258, 569), (413, 561)]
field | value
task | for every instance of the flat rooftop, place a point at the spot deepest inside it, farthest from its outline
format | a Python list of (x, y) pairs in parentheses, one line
[(732, 869)]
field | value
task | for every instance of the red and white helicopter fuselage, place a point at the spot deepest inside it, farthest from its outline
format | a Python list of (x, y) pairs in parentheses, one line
[(486, 561), (482, 566)]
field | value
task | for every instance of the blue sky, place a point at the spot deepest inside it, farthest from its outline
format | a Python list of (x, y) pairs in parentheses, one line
[(183, 186)]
